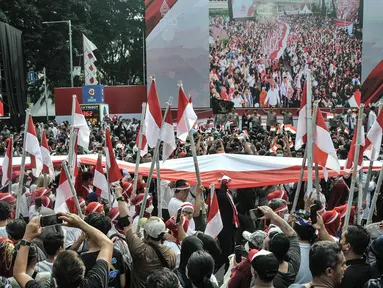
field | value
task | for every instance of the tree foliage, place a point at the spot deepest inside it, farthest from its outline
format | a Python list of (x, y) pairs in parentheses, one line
[(114, 26)]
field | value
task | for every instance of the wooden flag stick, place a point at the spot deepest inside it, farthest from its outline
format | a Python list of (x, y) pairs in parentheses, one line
[(72, 140), (158, 180), (142, 131), (10, 164), (314, 124), (375, 197), (310, 136), (22, 168), (71, 186), (360, 198), (299, 186), (355, 167), (156, 151)]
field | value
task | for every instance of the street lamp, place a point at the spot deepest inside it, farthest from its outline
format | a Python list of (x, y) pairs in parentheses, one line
[(70, 45)]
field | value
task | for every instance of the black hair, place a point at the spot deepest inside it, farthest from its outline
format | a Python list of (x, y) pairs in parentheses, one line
[(266, 267), (323, 255), (276, 203), (162, 278), (358, 238), (52, 243), (99, 221), (212, 247), (68, 270), (279, 245), (306, 233), (200, 268), (86, 176), (180, 183), (16, 228), (5, 210)]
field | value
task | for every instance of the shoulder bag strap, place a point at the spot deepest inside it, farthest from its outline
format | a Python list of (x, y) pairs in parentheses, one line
[(159, 254)]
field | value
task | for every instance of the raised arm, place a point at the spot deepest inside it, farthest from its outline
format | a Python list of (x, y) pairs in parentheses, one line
[(277, 220)]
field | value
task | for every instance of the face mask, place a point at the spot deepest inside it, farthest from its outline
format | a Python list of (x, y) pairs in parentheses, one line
[(286, 216), (247, 248), (149, 209)]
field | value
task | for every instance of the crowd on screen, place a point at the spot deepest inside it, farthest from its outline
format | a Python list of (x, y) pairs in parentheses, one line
[(110, 247), (244, 67)]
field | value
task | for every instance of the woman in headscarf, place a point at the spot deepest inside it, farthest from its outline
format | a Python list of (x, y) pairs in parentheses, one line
[(190, 245)]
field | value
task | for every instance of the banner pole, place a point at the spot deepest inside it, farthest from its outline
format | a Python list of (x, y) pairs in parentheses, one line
[(310, 137), (70, 182), (142, 131), (375, 197), (355, 167), (156, 151), (158, 180), (72, 140), (360, 198), (10, 164), (22, 168), (314, 123)]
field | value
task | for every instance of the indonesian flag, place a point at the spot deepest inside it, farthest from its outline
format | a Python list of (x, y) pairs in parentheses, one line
[(90, 70), (351, 152), (301, 136), (214, 221), (47, 161), (374, 139), (355, 100), (80, 124), (99, 180), (144, 146), (63, 193), (280, 128), (272, 129), (329, 116), (33, 148), (186, 116), (114, 173), (293, 130), (6, 167), (167, 136), (153, 117), (324, 151)]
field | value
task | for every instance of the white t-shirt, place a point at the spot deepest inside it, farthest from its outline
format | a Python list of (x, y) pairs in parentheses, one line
[(166, 193), (304, 274), (3, 232), (173, 206), (71, 234)]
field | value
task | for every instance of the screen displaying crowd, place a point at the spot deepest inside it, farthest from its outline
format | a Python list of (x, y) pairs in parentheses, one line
[(263, 60)]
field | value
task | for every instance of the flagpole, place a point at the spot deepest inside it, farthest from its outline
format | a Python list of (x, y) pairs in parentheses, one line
[(314, 123), (368, 179), (360, 198), (310, 135), (375, 197), (22, 168), (72, 189), (10, 165), (158, 180), (299, 186), (72, 140), (355, 168), (156, 150), (142, 131), (107, 175)]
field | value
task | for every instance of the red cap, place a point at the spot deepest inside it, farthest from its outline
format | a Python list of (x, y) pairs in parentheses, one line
[(94, 207), (114, 214), (277, 194), (6, 197), (139, 198), (330, 217)]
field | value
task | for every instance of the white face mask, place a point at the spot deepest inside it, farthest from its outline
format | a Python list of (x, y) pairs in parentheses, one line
[(247, 248), (286, 216), (149, 209)]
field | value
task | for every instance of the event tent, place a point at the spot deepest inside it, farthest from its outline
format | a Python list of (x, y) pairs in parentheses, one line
[(245, 170)]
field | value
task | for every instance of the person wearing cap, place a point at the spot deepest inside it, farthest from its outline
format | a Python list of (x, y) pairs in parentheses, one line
[(94, 207), (181, 193), (327, 265), (137, 202), (265, 267), (149, 254), (187, 211), (342, 213), (354, 242), (282, 241), (279, 206), (332, 223), (241, 273)]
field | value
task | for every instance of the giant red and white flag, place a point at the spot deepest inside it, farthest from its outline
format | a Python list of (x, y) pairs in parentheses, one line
[(153, 116), (144, 144), (374, 139), (324, 151), (99, 179), (351, 153), (186, 116), (167, 136), (114, 173), (301, 134), (32, 146), (80, 124), (355, 99), (214, 221), (63, 193), (90, 69), (47, 161), (6, 166)]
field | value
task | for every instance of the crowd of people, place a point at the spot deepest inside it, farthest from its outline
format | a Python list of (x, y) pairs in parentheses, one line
[(246, 68), (263, 243)]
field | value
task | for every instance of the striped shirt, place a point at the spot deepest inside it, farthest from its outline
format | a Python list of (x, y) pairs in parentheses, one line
[(44, 266)]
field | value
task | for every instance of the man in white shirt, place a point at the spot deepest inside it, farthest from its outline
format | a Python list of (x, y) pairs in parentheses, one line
[(166, 195), (272, 97), (371, 117)]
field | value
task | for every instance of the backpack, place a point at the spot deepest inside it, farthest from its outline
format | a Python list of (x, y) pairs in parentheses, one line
[(124, 251)]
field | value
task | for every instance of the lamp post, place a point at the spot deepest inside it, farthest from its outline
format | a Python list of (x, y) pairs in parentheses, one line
[(70, 45)]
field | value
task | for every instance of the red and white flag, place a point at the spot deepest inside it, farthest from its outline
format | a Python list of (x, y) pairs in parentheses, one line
[(214, 221), (186, 116), (351, 153), (63, 193), (80, 124), (99, 180), (90, 69), (167, 136), (47, 161), (153, 116), (301, 136), (374, 139), (144, 145), (33, 148), (6, 167), (114, 173), (324, 151), (355, 99)]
